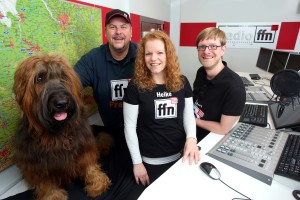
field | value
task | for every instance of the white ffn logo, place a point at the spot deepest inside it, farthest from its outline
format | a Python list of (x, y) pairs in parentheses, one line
[(118, 88), (165, 108)]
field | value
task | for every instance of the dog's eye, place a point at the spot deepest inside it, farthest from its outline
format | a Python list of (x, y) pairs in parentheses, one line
[(65, 77), (40, 78)]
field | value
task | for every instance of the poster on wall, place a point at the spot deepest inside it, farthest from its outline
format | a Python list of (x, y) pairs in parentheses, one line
[(251, 35), (34, 27)]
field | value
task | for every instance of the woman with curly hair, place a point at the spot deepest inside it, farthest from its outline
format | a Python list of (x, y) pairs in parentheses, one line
[(158, 112)]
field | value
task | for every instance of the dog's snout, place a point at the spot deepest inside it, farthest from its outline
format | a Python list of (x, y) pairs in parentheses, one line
[(61, 103)]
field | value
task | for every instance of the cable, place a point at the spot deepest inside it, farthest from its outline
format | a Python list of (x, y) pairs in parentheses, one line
[(235, 191), (296, 194)]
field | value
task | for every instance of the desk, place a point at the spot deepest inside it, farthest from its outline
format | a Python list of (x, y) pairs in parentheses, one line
[(184, 181)]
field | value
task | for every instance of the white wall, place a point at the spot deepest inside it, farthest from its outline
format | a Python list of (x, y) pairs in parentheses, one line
[(229, 11), (120, 4), (157, 9)]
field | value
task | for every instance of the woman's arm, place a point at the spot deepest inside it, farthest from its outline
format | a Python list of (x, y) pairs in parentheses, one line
[(189, 118), (190, 147), (130, 113)]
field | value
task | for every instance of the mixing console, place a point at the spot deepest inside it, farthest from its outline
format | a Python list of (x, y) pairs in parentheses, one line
[(251, 149), (257, 94)]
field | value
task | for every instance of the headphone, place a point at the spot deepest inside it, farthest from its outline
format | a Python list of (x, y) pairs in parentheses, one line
[(286, 85)]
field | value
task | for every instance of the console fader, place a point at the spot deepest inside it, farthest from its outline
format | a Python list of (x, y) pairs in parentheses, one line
[(251, 149)]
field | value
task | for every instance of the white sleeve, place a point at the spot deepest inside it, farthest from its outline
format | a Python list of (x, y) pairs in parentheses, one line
[(189, 122), (130, 113)]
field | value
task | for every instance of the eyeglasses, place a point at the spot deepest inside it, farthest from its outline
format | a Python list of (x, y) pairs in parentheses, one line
[(210, 47)]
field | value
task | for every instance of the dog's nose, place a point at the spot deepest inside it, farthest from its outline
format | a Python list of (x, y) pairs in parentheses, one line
[(61, 103)]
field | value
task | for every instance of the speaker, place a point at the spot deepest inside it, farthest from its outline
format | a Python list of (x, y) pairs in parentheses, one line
[(286, 85)]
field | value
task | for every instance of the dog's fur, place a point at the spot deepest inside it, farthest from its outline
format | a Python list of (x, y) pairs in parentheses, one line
[(54, 143)]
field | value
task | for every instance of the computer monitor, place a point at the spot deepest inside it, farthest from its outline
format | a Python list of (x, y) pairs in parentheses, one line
[(278, 61), (264, 58), (289, 118), (293, 62)]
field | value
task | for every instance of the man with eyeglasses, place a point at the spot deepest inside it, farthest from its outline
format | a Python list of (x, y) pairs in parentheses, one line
[(107, 69), (218, 92)]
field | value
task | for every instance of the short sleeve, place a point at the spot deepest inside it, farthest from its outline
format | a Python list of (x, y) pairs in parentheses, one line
[(131, 95), (187, 88)]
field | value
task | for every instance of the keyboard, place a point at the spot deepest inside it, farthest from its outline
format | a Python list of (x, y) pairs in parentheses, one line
[(246, 81), (256, 114), (289, 162)]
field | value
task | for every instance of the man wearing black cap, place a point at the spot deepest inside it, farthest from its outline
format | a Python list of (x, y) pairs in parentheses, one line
[(107, 69)]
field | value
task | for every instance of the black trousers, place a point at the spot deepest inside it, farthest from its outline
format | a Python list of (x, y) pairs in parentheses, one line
[(154, 172)]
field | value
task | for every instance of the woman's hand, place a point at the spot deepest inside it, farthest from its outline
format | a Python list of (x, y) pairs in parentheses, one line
[(191, 150), (140, 174)]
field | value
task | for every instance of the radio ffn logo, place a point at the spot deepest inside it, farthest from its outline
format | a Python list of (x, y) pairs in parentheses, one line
[(265, 34), (165, 108)]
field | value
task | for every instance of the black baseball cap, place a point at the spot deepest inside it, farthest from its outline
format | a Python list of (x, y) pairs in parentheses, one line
[(117, 13)]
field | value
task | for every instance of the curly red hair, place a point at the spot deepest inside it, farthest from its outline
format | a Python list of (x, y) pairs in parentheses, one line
[(142, 75)]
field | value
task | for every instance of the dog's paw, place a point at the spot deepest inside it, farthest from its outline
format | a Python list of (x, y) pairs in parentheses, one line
[(96, 181), (105, 142), (53, 194), (97, 184)]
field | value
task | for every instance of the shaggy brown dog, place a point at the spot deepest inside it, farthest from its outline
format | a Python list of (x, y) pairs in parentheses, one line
[(54, 143)]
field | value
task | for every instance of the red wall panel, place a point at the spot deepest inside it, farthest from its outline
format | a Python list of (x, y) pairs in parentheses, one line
[(167, 27), (189, 32), (288, 35), (104, 10), (136, 27)]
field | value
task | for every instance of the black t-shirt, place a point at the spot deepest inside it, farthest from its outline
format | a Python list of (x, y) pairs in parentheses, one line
[(160, 120), (109, 79), (225, 94)]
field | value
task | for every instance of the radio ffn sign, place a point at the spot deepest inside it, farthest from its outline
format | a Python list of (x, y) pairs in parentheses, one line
[(250, 36)]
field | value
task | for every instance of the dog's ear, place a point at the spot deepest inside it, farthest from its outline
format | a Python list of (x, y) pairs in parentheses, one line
[(25, 91), (24, 78)]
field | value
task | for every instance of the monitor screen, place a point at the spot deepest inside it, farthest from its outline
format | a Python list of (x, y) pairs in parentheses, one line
[(289, 118), (293, 62), (264, 58), (278, 61)]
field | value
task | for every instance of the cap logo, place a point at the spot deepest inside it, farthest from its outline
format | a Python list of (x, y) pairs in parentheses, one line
[(115, 13)]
